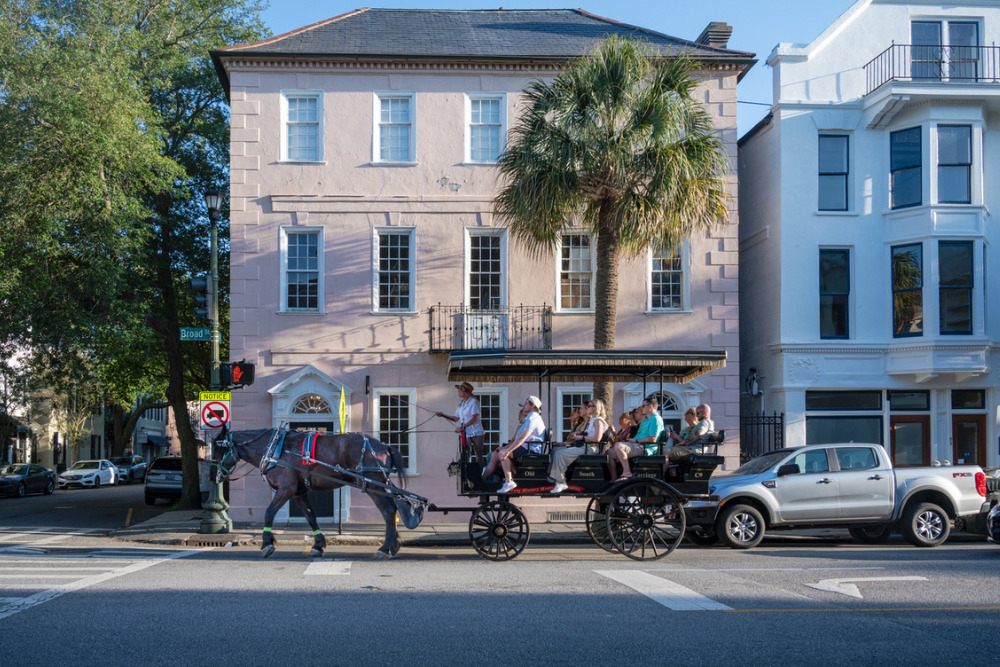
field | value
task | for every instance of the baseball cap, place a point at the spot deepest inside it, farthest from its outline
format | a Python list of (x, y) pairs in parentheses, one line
[(534, 400)]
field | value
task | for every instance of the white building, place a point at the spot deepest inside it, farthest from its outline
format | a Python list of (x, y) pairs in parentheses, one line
[(866, 235)]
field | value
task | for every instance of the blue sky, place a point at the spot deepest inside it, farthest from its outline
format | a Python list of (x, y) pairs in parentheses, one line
[(757, 26)]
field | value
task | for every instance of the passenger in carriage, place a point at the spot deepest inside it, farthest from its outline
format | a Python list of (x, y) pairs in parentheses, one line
[(529, 439), (689, 420), (694, 438), (627, 426), (645, 441), (594, 432)]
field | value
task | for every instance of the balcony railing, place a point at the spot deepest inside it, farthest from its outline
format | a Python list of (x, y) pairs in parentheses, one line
[(497, 328), (913, 62)]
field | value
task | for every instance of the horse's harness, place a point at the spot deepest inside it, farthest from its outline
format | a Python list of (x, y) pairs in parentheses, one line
[(357, 476)]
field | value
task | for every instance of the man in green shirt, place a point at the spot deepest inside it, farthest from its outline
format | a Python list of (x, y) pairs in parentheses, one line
[(646, 440)]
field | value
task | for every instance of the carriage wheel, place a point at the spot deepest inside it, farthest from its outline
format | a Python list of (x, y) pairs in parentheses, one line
[(498, 530), (645, 520), (597, 525)]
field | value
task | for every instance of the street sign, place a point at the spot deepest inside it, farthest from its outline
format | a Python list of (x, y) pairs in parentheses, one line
[(215, 414), (214, 396), (196, 333)]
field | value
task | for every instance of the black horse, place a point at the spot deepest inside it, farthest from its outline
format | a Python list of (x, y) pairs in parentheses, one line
[(291, 479)]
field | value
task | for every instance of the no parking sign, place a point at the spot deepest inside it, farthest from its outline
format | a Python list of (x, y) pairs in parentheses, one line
[(214, 409)]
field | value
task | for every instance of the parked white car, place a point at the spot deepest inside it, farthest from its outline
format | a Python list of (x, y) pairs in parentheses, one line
[(94, 472)]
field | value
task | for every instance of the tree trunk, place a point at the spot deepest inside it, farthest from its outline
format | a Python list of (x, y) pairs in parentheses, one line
[(171, 335), (606, 297)]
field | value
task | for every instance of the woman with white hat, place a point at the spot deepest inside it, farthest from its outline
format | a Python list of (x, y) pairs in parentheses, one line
[(470, 428)]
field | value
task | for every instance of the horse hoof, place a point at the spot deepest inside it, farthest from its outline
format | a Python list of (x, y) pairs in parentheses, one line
[(267, 551), (316, 553), (383, 555)]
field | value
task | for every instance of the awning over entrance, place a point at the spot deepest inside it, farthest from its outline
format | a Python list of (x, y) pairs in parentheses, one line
[(581, 365), (157, 440)]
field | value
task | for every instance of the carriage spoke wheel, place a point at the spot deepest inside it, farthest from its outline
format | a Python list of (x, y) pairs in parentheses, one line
[(597, 525), (645, 520), (498, 530)]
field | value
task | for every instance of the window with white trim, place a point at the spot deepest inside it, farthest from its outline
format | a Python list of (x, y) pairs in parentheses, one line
[(944, 50), (302, 269), (955, 286), (834, 172), (394, 127), (394, 269), (569, 399), (485, 127), (302, 126), (394, 420), (576, 273), (954, 168), (667, 280), (905, 167), (493, 416)]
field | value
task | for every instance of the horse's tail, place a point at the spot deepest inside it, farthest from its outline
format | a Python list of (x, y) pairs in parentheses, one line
[(397, 462)]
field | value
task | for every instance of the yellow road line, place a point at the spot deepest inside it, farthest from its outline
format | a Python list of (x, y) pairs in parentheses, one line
[(128, 519), (878, 609)]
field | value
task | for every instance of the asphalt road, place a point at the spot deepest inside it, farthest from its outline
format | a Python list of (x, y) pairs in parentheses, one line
[(66, 596), (106, 508)]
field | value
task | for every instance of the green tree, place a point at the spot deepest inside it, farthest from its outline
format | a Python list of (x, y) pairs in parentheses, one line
[(112, 125), (615, 144)]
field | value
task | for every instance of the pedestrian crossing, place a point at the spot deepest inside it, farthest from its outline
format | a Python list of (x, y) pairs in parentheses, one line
[(35, 568)]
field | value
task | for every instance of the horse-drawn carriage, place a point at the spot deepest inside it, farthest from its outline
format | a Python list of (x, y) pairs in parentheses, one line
[(644, 517)]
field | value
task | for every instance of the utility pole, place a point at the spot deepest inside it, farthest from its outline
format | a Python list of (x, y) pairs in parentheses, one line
[(215, 520)]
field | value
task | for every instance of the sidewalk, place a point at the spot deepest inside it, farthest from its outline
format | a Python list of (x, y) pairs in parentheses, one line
[(181, 528)]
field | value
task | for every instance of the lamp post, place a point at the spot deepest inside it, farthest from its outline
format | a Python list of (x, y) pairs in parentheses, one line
[(215, 519)]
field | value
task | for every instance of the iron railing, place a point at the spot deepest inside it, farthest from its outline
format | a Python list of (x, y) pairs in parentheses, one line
[(760, 434), (914, 62), (496, 328)]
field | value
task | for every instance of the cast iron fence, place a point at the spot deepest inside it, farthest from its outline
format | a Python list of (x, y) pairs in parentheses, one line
[(760, 433)]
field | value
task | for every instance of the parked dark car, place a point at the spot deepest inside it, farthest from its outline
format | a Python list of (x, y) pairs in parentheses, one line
[(21, 479), (131, 468), (164, 478)]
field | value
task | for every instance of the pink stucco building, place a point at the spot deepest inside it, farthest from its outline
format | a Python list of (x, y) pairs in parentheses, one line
[(364, 250)]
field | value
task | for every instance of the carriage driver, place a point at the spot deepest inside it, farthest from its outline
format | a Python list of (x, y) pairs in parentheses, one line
[(529, 439), (470, 428)]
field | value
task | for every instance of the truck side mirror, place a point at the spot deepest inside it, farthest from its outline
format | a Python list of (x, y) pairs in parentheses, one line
[(789, 469)]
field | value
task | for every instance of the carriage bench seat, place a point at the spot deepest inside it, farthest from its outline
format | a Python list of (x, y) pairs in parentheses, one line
[(532, 470), (589, 472), (648, 466), (691, 475)]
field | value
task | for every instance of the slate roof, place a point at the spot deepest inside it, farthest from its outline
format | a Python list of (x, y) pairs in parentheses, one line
[(555, 34)]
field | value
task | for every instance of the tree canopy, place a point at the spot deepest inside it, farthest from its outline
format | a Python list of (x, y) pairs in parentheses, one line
[(615, 145)]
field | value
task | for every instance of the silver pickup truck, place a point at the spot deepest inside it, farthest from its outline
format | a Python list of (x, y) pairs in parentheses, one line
[(849, 484)]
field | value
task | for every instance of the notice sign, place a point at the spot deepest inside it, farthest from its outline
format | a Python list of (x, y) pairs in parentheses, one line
[(214, 408)]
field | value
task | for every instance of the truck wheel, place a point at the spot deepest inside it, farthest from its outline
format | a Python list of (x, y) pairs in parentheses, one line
[(872, 533), (925, 525), (740, 527), (150, 500)]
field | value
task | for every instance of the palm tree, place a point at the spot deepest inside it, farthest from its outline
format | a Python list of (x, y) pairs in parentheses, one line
[(615, 144)]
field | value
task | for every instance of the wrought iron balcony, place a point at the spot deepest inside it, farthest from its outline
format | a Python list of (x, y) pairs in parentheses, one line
[(496, 328), (917, 63)]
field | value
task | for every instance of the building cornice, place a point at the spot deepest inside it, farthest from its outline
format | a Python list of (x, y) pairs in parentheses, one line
[(925, 346)]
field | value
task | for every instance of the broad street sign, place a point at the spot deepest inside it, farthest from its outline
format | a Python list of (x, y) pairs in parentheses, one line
[(196, 333), (214, 410)]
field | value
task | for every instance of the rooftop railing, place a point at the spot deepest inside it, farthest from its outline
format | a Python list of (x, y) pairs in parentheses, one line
[(914, 62)]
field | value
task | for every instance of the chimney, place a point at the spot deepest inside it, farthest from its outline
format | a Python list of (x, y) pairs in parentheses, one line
[(715, 34)]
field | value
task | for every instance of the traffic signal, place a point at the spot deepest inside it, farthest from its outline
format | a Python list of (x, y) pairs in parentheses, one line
[(201, 288), (236, 374)]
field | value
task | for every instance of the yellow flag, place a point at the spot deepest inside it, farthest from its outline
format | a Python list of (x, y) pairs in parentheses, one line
[(343, 410)]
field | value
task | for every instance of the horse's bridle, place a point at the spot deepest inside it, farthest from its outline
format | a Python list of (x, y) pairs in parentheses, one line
[(234, 449)]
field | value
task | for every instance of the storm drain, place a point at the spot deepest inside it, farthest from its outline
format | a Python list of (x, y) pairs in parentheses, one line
[(565, 517), (219, 540)]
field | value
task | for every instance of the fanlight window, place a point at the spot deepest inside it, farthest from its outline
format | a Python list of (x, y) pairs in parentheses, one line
[(666, 401), (311, 404)]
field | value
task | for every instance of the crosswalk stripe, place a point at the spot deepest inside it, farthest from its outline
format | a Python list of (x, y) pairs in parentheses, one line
[(329, 567), (46, 540), (15, 605), (668, 593)]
